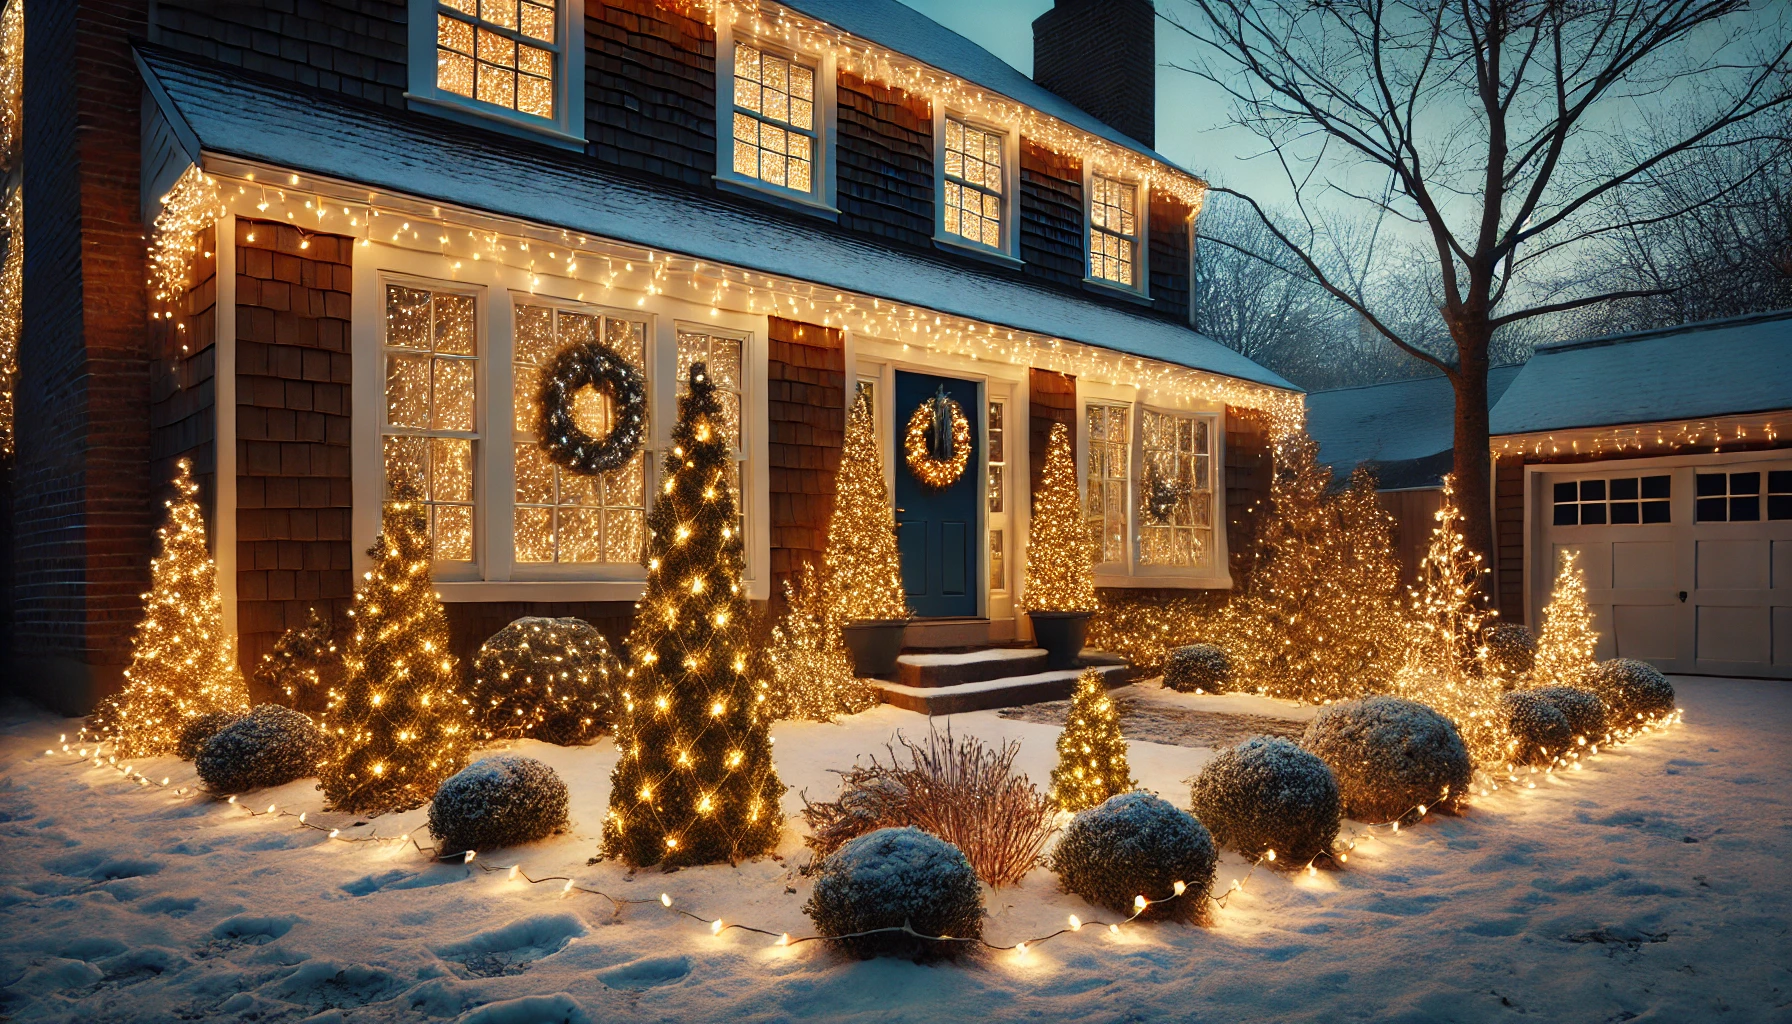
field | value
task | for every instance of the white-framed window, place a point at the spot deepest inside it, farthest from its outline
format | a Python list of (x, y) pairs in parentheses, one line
[(1621, 501), (722, 355), (775, 109), (978, 175), (996, 504), (561, 517), (1175, 486), (1108, 429), (429, 434), (1116, 251), (513, 64)]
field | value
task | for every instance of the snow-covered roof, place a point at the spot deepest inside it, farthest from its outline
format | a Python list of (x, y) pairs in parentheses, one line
[(1401, 426), (226, 111), (1715, 368)]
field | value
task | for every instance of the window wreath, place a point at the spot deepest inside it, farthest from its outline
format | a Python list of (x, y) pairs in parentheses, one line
[(938, 443), (596, 365)]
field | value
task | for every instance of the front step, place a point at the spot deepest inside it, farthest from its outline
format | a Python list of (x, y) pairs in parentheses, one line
[(1002, 692), (923, 669)]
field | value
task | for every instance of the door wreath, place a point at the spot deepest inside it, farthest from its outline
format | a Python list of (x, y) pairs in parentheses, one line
[(596, 365), (938, 443)]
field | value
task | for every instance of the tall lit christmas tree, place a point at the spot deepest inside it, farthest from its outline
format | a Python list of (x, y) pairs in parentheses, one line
[(695, 781), (810, 672), (1091, 752), (864, 571), (183, 662), (1565, 648), (1060, 555), (399, 724)]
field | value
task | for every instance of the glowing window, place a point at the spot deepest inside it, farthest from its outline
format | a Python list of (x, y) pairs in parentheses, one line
[(1175, 491), (1105, 479), (1113, 231), (501, 52), (722, 357), (774, 119), (974, 183), (429, 431)]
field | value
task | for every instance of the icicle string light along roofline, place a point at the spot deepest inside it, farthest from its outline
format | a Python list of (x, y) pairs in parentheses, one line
[(1738, 432)]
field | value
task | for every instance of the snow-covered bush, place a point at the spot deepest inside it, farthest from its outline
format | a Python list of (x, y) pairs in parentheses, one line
[(1136, 844), (502, 800), (270, 746), (1198, 667), (1390, 755), (1268, 794), (200, 728), (1632, 690), (550, 679), (892, 877), (1583, 709), (1511, 650), (1537, 731)]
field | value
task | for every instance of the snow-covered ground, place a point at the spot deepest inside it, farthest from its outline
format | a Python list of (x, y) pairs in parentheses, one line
[(1655, 886)]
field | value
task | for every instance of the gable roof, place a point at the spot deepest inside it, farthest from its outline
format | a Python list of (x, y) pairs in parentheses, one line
[(1715, 368), (223, 110), (1401, 426)]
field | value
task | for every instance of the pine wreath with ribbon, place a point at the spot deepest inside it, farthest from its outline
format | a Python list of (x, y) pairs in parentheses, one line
[(937, 446), (1161, 496), (596, 365)]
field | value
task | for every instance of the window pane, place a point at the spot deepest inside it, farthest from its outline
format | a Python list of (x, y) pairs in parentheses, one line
[(1567, 515), (1745, 510), (1625, 512), (407, 465), (534, 475), (407, 390), (450, 469), (998, 572), (1779, 506), (1592, 515), (770, 143), (1565, 492), (454, 34), (1745, 483), (1592, 490), (538, 22), (1657, 486), (1779, 481), (535, 96), (453, 392), (432, 394), (1656, 512), (1710, 484), (453, 533), (497, 85), (1712, 510), (499, 12), (995, 488), (407, 318), (1624, 489), (534, 534)]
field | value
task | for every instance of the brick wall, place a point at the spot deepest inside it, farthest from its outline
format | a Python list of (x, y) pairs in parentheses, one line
[(294, 548), (806, 409), (650, 89), (1051, 398), (355, 47), (1169, 264), (182, 384), (1102, 56), (884, 183), (1051, 215)]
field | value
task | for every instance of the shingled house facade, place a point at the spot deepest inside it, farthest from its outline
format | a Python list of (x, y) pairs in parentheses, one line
[(390, 214)]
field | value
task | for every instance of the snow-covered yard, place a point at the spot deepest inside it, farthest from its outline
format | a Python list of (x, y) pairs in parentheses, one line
[(1655, 886)]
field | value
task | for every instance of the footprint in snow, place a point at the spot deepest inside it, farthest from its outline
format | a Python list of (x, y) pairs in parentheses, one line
[(558, 1008), (326, 985), (646, 972), (510, 949), (397, 878), (246, 930), (171, 906), (95, 864)]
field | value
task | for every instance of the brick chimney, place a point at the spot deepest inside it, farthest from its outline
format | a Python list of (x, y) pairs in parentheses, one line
[(1102, 56)]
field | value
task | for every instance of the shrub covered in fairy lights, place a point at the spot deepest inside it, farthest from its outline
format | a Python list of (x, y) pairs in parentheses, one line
[(1268, 795), (270, 746), (1583, 709), (1511, 650), (546, 679), (304, 665), (200, 728), (810, 674), (1390, 756), (1538, 733), (502, 800), (1632, 690), (895, 877), (1198, 668), (1133, 845), (1091, 751)]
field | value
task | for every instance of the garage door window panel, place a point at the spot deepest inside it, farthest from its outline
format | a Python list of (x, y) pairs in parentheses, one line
[(1618, 501), (1730, 497)]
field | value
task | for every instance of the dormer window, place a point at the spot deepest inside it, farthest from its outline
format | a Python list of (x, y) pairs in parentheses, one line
[(1114, 232), (974, 184), (501, 64), (774, 119)]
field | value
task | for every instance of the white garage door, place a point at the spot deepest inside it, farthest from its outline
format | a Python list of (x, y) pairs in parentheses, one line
[(1688, 562)]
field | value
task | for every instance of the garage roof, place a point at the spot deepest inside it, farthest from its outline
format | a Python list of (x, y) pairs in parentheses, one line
[(1715, 368), (1401, 426)]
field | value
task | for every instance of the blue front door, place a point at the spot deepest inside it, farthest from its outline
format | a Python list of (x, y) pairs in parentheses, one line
[(936, 529)]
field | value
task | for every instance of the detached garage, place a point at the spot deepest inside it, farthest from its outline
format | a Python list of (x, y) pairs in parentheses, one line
[(1663, 458)]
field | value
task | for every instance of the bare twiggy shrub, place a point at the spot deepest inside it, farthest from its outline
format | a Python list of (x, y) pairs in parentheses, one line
[(962, 790)]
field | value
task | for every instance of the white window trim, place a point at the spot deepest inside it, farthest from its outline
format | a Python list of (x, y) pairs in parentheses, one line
[(1142, 261), (821, 199), (566, 129), (1009, 252)]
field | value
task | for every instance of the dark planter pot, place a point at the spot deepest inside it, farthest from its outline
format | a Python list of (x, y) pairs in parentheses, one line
[(1062, 635), (874, 644)]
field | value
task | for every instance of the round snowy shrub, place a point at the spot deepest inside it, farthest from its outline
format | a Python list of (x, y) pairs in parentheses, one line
[(1390, 755), (1511, 650), (270, 746), (1198, 667), (1136, 844), (1632, 690), (1583, 709), (1268, 794), (550, 679), (1538, 731), (893, 876), (200, 728), (502, 800)]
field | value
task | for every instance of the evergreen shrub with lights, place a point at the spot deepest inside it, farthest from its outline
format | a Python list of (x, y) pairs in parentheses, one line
[(1060, 556), (1266, 794), (1511, 651), (1583, 709), (270, 746), (541, 678), (896, 877), (1632, 690), (1145, 629), (399, 725), (1198, 668), (304, 665), (1136, 844), (1538, 732), (502, 800), (200, 728), (811, 673), (694, 782), (1390, 756), (1091, 752)]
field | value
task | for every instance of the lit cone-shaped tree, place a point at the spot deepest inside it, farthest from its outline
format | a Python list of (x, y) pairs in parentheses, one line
[(694, 782), (1091, 752), (399, 725), (183, 662), (811, 673), (864, 571), (1565, 650), (1060, 556)]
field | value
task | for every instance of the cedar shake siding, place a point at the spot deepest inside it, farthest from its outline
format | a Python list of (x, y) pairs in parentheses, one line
[(1508, 536), (806, 411), (183, 385), (1051, 215), (1051, 398), (1169, 256), (884, 169), (650, 90), (355, 47), (1250, 469), (294, 550)]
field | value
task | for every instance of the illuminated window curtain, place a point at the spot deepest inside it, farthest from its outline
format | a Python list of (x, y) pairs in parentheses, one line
[(502, 52), (1113, 231), (1176, 461), (973, 184), (562, 516), (722, 355), (1104, 488), (430, 433), (774, 119)]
